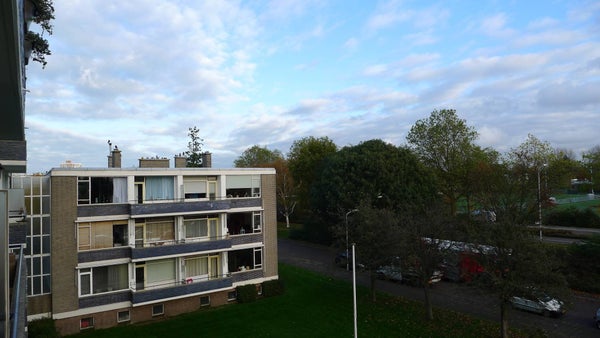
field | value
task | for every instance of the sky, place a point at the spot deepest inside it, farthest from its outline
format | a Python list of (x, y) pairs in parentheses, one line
[(142, 72)]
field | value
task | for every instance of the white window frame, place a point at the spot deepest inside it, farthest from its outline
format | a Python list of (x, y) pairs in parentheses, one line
[(254, 252), (257, 226), (162, 310), (91, 326), (119, 320)]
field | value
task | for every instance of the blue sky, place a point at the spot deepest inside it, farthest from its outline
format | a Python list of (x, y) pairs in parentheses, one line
[(267, 73)]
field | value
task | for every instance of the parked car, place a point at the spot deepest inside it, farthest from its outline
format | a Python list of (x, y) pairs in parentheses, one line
[(341, 259), (597, 318), (539, 303), (390, 272), (394, 273)]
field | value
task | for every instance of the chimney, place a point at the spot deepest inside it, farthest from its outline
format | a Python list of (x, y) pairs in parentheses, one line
[(180, 161), (207, 160), (156, 162), (116, 158)]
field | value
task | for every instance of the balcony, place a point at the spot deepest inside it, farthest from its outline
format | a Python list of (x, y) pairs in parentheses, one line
[(104, 254), (184, 288), (167, 248), (106, 298), (182, 207)]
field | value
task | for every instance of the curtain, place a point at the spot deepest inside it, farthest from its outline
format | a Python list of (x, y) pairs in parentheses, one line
[(119, 190), (196, 228), (160, 271), (160, 231), (160, 188), (117, 277), (196, 267)]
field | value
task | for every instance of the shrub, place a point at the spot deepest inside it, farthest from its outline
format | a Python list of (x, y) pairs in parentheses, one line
[(272, 288), (42, 328), (246, 293), (313, 231), (573, 217)]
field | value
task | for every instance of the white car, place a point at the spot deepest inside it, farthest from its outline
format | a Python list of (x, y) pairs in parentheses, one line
[(541, 303)]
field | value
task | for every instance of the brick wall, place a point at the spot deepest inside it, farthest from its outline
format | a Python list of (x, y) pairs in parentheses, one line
[(270, 224), (64, 244)]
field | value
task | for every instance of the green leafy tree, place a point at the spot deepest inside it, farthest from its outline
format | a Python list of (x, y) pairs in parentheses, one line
[(591, 163), (562, 167), (421, 246), (445, 143), (527, 173), (515, 264), (194, 152), (305, 160), (367, 171), (376, 235), (257, 156), (583, 268)]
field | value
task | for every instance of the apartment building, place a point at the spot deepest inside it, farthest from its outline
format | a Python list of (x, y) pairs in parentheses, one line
[(125, 245)]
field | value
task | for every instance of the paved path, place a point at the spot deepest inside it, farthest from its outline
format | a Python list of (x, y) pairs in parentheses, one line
[(577, 322)]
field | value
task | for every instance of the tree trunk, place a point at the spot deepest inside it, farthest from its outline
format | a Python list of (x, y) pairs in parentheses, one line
[(373, 280), (428, 305), (504, 319), (287, 220)]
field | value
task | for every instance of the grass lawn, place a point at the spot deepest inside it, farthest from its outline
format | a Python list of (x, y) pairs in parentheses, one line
[(312, 306)]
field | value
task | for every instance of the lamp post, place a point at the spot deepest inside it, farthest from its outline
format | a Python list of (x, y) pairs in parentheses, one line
[(354, 290), (539, 169), (347, 253)]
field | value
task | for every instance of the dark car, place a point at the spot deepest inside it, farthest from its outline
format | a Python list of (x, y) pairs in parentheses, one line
[(342, 259), (597, 318)]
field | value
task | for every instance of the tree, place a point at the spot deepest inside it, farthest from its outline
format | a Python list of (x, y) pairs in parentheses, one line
[(515, 264), (445, 143), (194, 152), (375, 232), (43, 14), (257, 156), (305, 159), (369, 170), (286, 187), (421, 247), (526, 177)]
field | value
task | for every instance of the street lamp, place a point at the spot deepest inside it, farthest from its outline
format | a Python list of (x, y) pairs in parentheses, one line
[(539, 169), (347, 253)]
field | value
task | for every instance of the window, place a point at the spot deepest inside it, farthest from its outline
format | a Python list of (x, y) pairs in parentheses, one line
[(200, 187), (159, 188), (243, 260), (244, 222), (258, 258), (160, 272), (243, 186), (231, 295), (257, 221), (36, 190), (156, 230), (158, 310), (86, 323), (202, 227), (204, 300), (92, 190), (202, 267), (123, 316), (100, 235), (103, 279)]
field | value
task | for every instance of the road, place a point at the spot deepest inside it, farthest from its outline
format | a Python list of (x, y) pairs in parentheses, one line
[(577, 322)]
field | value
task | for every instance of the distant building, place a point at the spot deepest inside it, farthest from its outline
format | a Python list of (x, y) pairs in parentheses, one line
[(125, 245)]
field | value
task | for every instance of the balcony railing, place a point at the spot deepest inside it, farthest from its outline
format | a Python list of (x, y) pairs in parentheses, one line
[(180, 288)]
